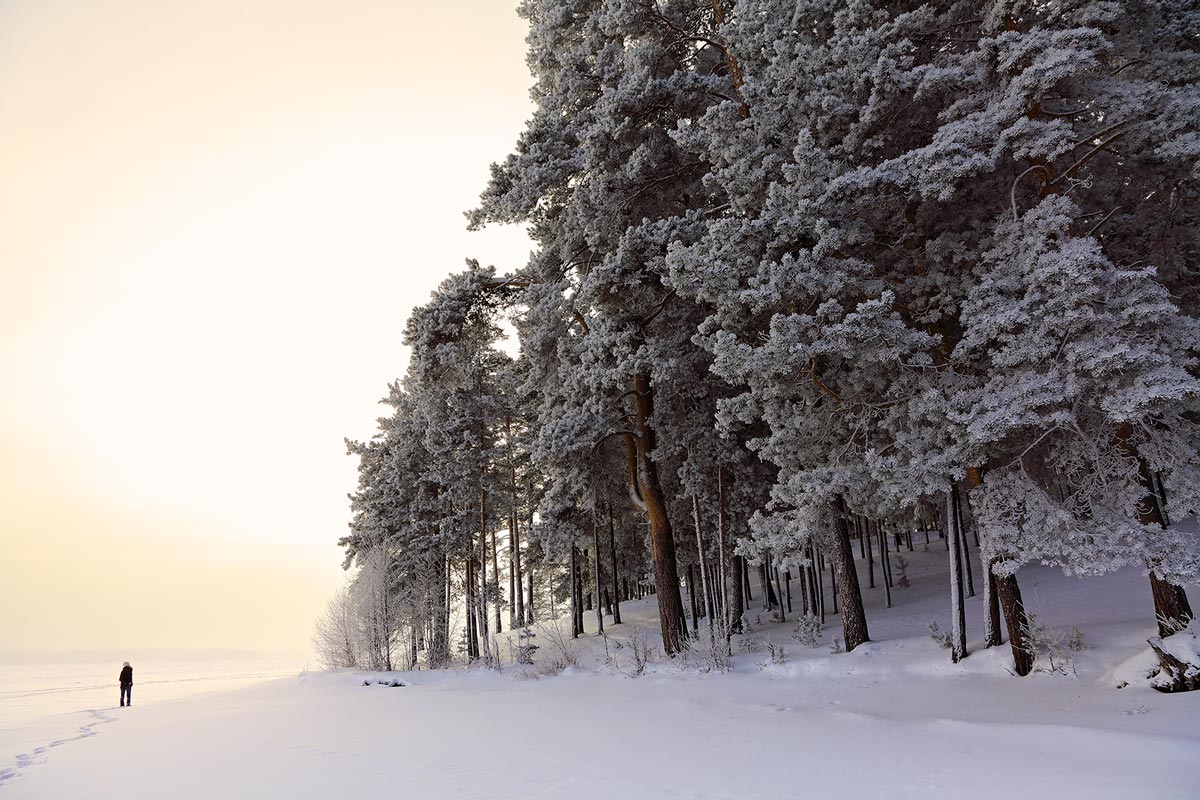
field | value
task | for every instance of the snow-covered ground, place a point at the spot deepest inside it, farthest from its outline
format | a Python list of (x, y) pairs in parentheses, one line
[(50, 699), (894, 718)]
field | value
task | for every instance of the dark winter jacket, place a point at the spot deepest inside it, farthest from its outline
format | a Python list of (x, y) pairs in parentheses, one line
[(127, 676)]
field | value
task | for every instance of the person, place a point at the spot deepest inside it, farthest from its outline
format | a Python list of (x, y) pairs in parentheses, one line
[(126, 685)]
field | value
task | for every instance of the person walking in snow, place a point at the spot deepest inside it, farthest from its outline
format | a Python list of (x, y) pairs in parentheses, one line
[(126, 685)]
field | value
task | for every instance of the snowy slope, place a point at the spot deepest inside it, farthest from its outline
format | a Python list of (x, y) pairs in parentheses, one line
[(894, 718)]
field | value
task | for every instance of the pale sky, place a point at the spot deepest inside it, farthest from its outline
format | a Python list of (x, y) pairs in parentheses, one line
[(215, 216)]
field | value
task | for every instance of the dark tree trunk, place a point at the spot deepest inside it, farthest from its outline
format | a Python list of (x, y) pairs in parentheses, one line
[(737, 608), (804, 604), (585, 581), (854, 619), (690, 577), (575, 611), (1171, 605), (581, 588), (514, 542), (768, 589), (647, 495), (529, 608), (472, 611), (1014, 617), (705, 599), (884, 565), (958, 624), (833, 593), (512, 577), (813, 574), (992, 637), (496, 578), (596, 570), (722, 547), (870, 556), (715, 607), (964, 551), (439, 623), (779, 592), (612, 552), (1161, 496)]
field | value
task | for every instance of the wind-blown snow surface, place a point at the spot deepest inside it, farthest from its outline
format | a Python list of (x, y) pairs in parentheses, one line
[(894, 718)]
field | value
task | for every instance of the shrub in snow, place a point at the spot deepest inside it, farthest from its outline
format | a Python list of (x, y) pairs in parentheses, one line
[(709, 652), (641, 653), (525, 647), (902, 572), (564, 653), (836, 647), (808, 630), (713, 646), (1053, 651), (943, 638), (777, 652), (750, 644)]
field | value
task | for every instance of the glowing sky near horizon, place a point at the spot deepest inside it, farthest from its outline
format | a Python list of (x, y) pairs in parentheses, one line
[(214, 219)]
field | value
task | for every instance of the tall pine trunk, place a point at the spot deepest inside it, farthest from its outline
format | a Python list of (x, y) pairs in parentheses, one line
[(512, 580), (1008, 597), (647, 495), (596, 572), (737, 608), (574, 596), (612, 552), (703, 570), (964, 551), (958, 623), (514, 540), (854, 619), (529, 608), (722, 547), (991, 603), (496, 578)]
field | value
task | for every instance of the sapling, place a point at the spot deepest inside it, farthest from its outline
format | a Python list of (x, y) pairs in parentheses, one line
[(943, 638), (808, 630)]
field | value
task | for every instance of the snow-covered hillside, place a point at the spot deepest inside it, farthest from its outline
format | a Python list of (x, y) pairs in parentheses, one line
[(894, 718)]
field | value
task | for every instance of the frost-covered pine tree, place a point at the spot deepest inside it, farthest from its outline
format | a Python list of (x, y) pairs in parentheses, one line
[(875, 156), (606, 189)]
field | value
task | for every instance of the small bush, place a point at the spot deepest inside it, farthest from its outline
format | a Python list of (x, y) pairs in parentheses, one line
[(641, 653), (943, 638), (525, 646), (808, 630), (709, 651), (1053, 652), (560, 642), (750, 644)]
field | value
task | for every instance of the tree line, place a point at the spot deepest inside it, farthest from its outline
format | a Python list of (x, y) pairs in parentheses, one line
[(807, 274)]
